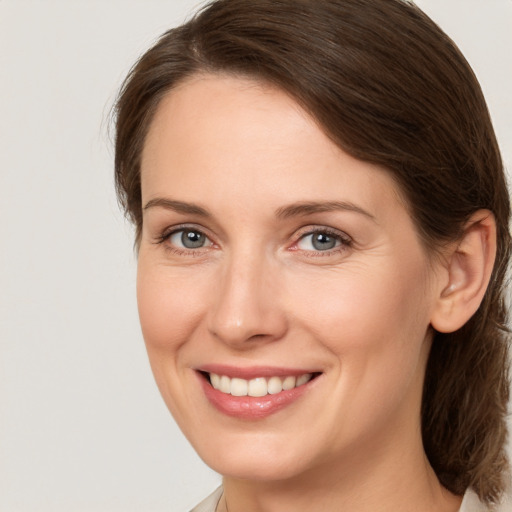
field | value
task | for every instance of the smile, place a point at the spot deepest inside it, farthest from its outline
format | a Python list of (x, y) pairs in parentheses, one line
[(254, 393), (258, 387)]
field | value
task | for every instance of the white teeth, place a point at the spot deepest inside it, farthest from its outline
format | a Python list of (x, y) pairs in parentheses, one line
[(215, 380), (303, 379), (257, 387), (225, 384), (238, 387), (274, 385), (289, 383)]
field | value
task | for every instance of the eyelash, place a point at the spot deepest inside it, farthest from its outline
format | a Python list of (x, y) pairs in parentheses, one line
[(345, 242)]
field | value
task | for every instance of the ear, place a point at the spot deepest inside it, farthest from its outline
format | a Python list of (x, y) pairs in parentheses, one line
[(467, 270)]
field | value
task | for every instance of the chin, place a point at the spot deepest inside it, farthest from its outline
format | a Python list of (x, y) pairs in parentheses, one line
[(254, 462), (255, 470)]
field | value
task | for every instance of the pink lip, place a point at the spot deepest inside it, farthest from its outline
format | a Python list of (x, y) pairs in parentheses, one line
[(248, 407)]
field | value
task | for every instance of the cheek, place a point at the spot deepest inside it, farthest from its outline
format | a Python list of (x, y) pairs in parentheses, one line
[(372, 320), (169, 312), (169, 307), (374, 324)]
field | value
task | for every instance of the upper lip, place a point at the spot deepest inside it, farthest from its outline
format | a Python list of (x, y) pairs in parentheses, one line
[(252, 372)]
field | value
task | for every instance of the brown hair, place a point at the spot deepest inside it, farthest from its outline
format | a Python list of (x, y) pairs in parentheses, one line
[(390, 88)]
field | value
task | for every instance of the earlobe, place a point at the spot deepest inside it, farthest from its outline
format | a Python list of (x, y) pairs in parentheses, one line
[(469, 265)]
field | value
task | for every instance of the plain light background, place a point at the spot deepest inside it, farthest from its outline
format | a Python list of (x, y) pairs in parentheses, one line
[(82, 427)]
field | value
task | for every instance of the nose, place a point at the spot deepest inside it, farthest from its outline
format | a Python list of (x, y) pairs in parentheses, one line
[(246, 307)]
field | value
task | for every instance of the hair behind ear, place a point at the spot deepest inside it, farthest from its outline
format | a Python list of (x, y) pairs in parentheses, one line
[(467, 379)]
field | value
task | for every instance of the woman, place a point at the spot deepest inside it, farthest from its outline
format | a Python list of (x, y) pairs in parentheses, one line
[(322, 227)]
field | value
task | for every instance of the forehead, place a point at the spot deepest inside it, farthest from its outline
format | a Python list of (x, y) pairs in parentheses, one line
[(224, 108), (224, 137)]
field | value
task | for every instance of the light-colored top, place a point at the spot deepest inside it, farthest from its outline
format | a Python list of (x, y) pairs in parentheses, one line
[(210, 503), (470, 503)]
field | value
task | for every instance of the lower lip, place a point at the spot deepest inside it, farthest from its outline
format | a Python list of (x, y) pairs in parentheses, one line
[(249, 407)]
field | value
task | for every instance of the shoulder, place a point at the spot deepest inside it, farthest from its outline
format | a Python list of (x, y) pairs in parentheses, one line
[(471, 503), (209, 504)]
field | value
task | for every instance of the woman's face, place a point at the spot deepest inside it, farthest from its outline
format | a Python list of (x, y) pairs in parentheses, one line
[(277, 267)]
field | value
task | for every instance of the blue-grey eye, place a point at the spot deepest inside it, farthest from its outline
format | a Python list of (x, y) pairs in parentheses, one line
[(189, 239), (319, 241)]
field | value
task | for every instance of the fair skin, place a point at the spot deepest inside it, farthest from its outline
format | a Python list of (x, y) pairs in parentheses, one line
[(266, 251)]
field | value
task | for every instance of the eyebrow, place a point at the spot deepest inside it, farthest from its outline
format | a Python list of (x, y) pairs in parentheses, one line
[(177, 206), (310, 207)]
